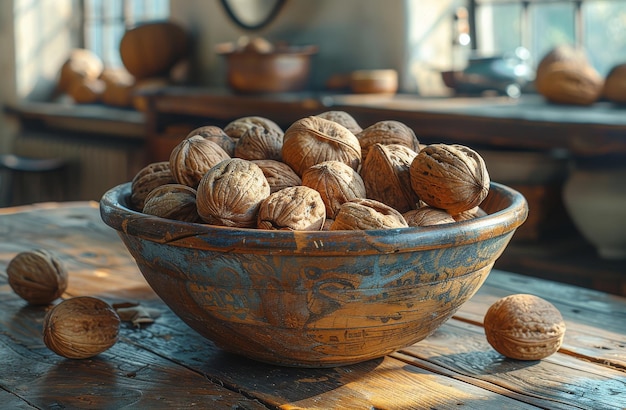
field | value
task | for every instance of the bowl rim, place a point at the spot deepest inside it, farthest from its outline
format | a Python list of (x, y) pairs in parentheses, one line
[(512, 212)]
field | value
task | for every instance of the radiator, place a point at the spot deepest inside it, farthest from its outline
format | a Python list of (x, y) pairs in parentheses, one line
[(93, 166)]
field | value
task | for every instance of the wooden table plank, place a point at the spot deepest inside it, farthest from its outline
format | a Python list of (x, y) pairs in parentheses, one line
[(379, 384), (556, 382), (455, 367), (123, 376), (582, 309)]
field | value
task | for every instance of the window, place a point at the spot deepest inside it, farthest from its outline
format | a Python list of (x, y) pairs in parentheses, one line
[(105, 22), (599, 26)]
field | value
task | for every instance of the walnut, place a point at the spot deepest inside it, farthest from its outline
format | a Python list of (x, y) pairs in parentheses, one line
[(475, 212), (259, 142), (342, 118), (193, 157), (387, 178), (387, 132), (451, 177), (364, 214), (148, 178), (615, 84), (37, 276), (426, 216), (336, 182), (565, 76), (327, 224), (172, 201), (217, 135), (278, 174), (524, 327), (312, 140), (231, 192), (297, 208), (81, 327), (235, 129)]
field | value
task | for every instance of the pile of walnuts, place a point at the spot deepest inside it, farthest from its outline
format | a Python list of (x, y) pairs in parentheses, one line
[(324, 172)]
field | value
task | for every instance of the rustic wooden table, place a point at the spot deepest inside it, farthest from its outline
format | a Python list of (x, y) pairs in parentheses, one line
[(167, 365)]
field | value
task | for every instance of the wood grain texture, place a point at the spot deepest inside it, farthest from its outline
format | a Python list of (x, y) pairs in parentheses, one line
[(554, 382), (168, 365), (315, 298), (582, 309)]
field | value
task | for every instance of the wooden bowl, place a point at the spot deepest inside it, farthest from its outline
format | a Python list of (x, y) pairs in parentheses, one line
[(374, 81), (285, 69), (315, 299)]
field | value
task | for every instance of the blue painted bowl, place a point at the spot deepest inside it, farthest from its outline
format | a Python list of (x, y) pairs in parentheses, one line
[(315, 299)]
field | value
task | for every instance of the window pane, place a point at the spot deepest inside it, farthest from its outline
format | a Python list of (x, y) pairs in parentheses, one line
[(551, 24), (106, 22), (605, 33), (499, 28)]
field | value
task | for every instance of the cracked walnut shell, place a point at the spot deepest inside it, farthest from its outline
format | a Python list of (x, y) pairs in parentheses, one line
[(450, 176), (37, 276), (524, 327)]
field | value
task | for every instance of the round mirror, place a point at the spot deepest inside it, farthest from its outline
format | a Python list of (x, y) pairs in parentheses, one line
[(252, 14)]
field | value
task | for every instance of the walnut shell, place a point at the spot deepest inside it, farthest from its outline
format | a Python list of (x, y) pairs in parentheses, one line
[(193, 157), (81, 327), (567, 83), (37, 276), (615, 84), (451, 177), (475, 212), (565, 76), (172, 201), (235, 129), (343, 118), (312, 140), (148, 178), (387, 132), (297, 208), (524, 327), (364, 214), (231, 192), (427, 216), (336, 182), (387, 177), (259, 142), (278, 174), (217, 135), (87, 90)]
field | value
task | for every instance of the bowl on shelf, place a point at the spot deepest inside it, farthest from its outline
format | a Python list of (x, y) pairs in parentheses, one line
[(282, 69), (315, 299)]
